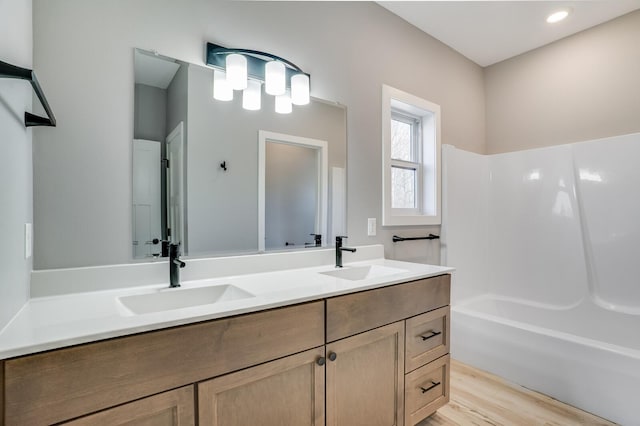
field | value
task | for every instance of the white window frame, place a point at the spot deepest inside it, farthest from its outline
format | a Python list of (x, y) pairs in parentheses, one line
[(416, 157), (428, 191)]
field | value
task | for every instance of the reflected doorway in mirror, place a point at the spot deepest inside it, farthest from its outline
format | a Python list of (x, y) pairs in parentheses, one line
[(292, 190)]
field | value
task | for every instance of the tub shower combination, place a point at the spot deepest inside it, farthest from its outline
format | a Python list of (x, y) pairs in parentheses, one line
[(546, 243)]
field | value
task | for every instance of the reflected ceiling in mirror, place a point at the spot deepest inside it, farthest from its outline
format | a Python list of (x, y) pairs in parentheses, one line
[(207, 197)]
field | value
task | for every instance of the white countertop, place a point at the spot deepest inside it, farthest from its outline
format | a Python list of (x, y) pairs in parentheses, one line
[(52, 322)]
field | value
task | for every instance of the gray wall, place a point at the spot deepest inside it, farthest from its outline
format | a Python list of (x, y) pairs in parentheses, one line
[(82, 179), (583, 87), (291, 195), (177, 95), (16, 190), (150, 113)]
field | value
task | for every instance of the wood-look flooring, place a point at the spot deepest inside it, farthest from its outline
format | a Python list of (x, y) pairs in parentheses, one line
[(480, 398)]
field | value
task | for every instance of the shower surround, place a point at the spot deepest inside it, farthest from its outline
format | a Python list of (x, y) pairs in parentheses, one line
[(546, 244)]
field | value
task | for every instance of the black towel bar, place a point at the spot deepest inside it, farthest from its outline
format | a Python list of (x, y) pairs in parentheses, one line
[(428, 237), (12, 71)]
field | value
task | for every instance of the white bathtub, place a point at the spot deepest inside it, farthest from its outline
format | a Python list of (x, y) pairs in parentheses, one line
[(583, 355)]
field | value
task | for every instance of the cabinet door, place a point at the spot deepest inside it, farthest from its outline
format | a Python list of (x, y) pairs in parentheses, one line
[(365, 378), (288, 391), (172, 408)]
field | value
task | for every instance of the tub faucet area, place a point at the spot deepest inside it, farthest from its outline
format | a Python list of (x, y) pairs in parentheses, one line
[(174, 265), (340, 249)]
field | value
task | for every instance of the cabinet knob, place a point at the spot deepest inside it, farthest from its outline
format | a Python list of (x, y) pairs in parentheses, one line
[(321, 360), (333, 356)]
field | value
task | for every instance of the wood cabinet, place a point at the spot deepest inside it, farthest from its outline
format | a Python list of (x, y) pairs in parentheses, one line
[(420, 309), (54, 386), (172, 408), (364, 358), (365, 378), (288, 391)]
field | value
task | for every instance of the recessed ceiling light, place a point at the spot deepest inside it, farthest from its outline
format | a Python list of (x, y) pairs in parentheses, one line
[(557, 16)]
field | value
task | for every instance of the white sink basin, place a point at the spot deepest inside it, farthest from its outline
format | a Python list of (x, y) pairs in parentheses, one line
[(357, 273), (167, 299)]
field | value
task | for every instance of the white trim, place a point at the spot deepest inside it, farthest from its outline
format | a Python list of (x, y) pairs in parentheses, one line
[(412, 104), (179, 129), (323, 185)]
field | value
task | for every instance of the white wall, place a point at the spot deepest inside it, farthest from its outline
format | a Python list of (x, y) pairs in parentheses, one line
[(16, 190), (583, 87), (84, 53)]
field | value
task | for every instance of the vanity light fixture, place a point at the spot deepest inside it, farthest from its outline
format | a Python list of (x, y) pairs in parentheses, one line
[(251, 96), (283, 103), (222, 89), (275, 78), (558, 16), (236, 68), (300, 89), (247, 69)]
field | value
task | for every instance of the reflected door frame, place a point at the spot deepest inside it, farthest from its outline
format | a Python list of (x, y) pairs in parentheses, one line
[(146, 200), (323, 160), (175, 186)]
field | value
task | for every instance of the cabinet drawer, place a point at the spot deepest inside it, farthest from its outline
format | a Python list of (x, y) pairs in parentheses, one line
[(427, 337), (55, 386), (426, 390), (358, 312)]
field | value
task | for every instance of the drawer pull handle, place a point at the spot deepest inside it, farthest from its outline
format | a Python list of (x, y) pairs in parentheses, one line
[(321, 360), (333, 356), (433, 385), (433, 334)]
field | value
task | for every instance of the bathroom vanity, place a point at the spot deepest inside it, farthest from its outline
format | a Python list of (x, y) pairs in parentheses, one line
[(371, 352)]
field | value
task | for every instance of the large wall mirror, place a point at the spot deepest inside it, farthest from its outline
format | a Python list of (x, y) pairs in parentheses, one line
[(222, 180)]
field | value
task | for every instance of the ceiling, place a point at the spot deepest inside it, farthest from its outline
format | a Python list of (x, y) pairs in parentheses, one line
[(154, 70), (488, 32)]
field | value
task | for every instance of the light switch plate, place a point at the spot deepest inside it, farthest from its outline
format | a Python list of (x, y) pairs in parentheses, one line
[(371, 227), (28, 240)]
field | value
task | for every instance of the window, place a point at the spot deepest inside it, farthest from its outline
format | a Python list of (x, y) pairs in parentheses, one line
[(411, 159)]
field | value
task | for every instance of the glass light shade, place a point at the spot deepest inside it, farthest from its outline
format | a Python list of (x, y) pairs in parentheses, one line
[(252, 96), (283, 104), (275, 78), (300, 89), (222, 90), (237, 71)]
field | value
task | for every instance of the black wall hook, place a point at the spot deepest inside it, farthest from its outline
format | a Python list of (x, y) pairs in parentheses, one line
[(223, 166)]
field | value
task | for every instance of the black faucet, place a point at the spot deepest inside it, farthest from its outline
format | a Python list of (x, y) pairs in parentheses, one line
[(174, 264), (317, 241), (340, 249)]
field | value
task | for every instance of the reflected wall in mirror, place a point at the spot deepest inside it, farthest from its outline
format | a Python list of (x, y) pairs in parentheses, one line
[(292, 191), (208, 208)]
